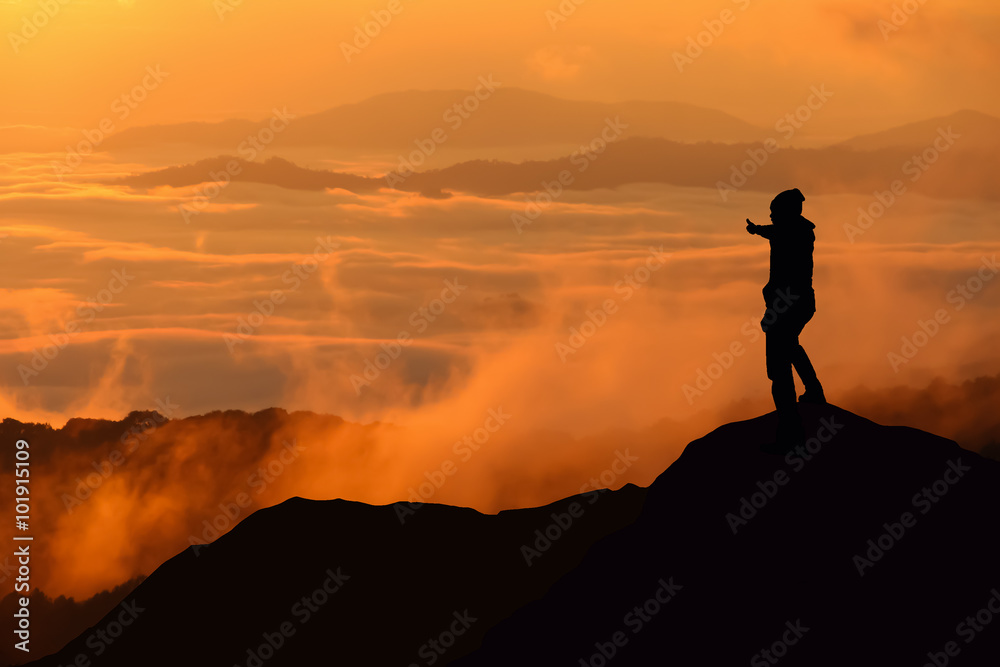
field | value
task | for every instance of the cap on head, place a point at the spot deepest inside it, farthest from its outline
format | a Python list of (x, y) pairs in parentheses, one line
[(788, 202)]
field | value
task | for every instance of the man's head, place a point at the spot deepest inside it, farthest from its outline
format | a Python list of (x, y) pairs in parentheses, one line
[(787, 206)]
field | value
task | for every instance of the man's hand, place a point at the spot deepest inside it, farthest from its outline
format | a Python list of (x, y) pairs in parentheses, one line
[(751, 228)]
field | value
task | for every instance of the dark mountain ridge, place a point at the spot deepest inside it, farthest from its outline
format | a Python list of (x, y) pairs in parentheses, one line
[(871, 545), (963, 168)]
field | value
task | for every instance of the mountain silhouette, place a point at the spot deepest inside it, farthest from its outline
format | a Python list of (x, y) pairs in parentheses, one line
[(407, 571), (273, 171), (509, 116), (981, 128), (965, 170), (58, 620), (875, 545), (827, 551)]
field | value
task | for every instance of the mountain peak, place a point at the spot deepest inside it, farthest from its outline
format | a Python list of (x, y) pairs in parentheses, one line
[(878, 539)]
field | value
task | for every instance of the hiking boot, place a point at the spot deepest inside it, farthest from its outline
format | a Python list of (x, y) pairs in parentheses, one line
[(813, 396)]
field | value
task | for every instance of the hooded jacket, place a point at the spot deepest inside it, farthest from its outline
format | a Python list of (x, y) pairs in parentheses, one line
[(792, 245)]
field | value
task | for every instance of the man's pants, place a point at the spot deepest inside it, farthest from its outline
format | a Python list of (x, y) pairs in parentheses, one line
[(788, 312)]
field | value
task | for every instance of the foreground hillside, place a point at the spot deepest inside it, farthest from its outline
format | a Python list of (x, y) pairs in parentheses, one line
[(875, 545)]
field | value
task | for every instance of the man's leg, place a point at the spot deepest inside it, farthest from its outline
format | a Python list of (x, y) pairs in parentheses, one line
[(800, 360), (779, 343), (804, 367)]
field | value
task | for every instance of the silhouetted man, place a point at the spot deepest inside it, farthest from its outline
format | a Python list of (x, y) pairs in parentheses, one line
[(791, 303)]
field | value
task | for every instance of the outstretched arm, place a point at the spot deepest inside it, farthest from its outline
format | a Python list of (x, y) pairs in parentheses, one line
[(761, 230)]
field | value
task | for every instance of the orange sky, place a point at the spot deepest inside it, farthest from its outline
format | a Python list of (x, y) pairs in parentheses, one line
[(243, 60)]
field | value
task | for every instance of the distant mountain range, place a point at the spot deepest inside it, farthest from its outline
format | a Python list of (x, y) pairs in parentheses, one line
[(872, 545), (505, 117), (948, 158), (975, 128), (273, 171), (512, 117)]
